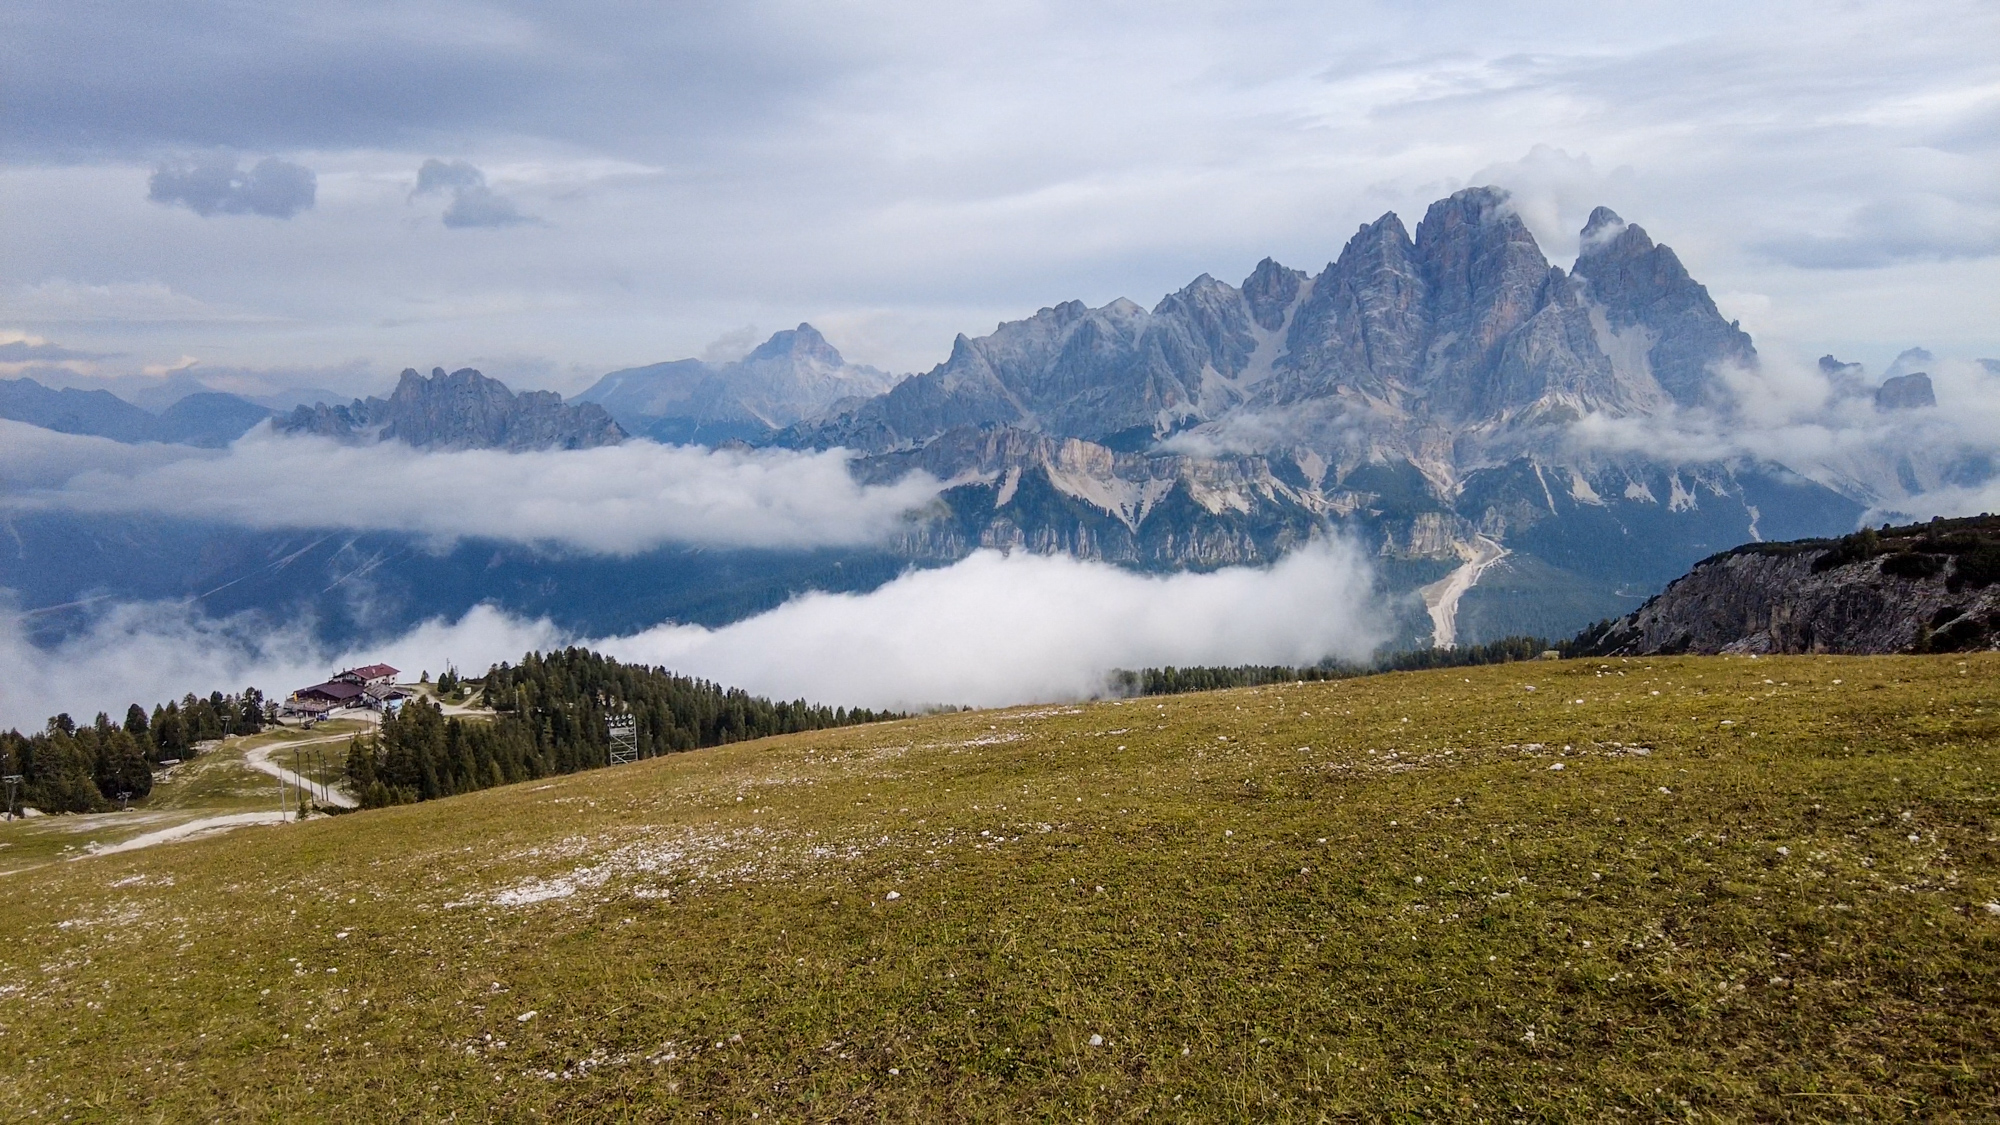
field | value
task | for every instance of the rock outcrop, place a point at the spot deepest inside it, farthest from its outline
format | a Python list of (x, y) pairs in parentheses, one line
[(462, 410), (1906, 392), (1924, 588)]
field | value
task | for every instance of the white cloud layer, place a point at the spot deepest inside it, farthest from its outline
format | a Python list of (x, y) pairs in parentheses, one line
[(152, 652), (996, 629), (619, 499), (1915, 462), (990, 630)]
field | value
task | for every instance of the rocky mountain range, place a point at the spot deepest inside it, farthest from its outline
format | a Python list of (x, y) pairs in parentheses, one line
[(1418, 391), (462, 410), (793, 376), (1931, 587)]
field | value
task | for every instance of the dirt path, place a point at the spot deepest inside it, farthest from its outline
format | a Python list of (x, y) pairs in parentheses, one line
[(202, 827), (1441, 597), (259, 759)]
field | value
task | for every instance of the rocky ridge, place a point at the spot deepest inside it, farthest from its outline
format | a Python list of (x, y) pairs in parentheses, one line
[(462, 410), (1931, 587)]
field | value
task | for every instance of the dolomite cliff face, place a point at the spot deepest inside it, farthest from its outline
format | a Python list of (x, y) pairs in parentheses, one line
[(1924, 588), (1419, 393)]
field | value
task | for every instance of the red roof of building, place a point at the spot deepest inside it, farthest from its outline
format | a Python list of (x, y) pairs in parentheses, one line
[(376, 672)]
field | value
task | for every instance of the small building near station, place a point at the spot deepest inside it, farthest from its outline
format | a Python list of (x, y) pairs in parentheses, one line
[(372, 687)]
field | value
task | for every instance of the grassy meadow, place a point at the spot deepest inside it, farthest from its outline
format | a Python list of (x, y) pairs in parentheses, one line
[(1687, 888)]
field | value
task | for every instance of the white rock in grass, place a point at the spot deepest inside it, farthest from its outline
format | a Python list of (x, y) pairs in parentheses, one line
[(1993, 908), (893, 895), (1097, 1040), (1557, 766), (524, 1017)]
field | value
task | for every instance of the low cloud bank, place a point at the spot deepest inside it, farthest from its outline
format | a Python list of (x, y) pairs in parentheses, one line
[(997, 629), (990, 630), (618, 500), (1824, 425)]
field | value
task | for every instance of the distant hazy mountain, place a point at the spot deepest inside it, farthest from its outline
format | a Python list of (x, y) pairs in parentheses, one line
[(210, 419), (794, 376), (462, 410), (71, 411)]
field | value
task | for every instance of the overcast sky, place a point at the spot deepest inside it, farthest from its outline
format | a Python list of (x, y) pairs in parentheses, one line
[(322, 194)]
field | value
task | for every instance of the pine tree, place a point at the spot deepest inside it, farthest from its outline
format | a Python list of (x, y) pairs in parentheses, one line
[(170, 738)]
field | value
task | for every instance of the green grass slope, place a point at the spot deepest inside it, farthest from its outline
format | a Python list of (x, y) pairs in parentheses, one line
[(1711, 888)]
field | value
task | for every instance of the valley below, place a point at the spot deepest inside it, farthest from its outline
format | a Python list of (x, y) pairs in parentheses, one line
[(1660, 887)]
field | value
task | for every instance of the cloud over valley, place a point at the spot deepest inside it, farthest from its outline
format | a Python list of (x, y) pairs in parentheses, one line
[(992, 629), (617, 500)]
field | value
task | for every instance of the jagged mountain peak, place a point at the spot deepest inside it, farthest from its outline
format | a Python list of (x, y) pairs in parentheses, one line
[(1482, 214), (1652, 309), (411, 386), (1270, 290), (1453, 344), (1205, 284), (801, 343), (1385, 235), (1602, 226)]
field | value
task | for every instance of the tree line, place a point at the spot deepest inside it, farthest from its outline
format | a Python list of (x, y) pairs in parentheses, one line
[(1171, 680), (551, 715), (66, 767)]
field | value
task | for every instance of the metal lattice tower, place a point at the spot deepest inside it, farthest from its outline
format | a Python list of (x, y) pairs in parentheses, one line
[(624, 732)]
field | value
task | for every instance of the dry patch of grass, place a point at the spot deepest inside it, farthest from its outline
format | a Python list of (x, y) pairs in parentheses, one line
[(1643, 889)]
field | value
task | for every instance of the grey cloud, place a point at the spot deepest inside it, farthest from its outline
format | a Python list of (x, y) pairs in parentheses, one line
[(732, 345), (42, 351), (439, 175), (128, 76), (473, 203), (1909, 228), (213, 184), (482, 207)]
